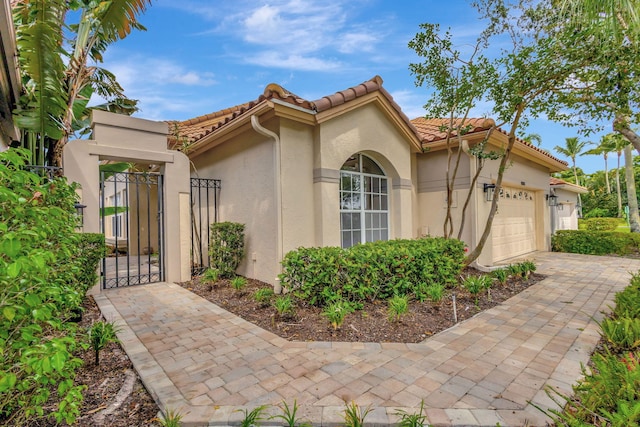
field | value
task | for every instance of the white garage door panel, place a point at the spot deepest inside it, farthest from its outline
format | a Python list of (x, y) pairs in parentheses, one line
[(514, 227)]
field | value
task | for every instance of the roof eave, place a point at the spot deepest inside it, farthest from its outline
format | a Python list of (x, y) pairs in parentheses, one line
[(228, 130)]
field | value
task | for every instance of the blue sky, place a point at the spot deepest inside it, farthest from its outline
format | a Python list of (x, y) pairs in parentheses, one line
[(200, 56)]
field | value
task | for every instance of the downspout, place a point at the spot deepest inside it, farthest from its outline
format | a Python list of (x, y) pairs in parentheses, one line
[(255, 123)]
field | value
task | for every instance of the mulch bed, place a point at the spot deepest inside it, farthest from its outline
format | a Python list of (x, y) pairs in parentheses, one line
[(103, 384), (371, 324)]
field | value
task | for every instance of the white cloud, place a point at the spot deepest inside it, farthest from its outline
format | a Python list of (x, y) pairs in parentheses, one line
[(410, 103), (276, 59), (138, 69)]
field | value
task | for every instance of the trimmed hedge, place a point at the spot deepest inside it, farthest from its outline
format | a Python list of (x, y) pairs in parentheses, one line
[(226, 247), (595, 242), (91, 250), (371, 271), (600, 224)]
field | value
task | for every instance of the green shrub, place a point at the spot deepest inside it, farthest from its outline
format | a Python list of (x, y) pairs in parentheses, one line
[(596, 213), (238, 283), (210, 276), (476, 284), (43, 278), (226, 247), (398, 307), (336, 312), (90, 251), (628, 303), (600, 224), (263, 296), (284, 306), (595, 242), (621, 334), (501, 275), (371, 271), (100, 335)]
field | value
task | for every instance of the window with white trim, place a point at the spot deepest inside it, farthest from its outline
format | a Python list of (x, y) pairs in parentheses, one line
[(364, 201)]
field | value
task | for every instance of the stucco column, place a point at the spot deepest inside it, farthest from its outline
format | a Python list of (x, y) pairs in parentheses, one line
[(401, 209), (327, 206)]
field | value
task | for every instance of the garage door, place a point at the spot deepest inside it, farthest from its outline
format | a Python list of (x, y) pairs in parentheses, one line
[(514, 227)]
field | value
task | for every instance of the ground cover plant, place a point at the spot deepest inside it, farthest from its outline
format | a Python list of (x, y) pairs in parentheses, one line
[(609, 393), (427, 312)]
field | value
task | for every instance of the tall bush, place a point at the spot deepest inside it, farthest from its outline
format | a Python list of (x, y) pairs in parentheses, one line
[(600, 224), (373, 270), (38, 291), (226, 247), (595, 242)]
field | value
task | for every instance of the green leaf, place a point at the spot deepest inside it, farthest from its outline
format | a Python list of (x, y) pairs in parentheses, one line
[(9, 313), (13, 270), (33, 300), (58, 360), (12, 247), (7, 381)]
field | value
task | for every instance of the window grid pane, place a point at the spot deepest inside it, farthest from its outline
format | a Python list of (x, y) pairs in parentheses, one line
[(363, 194)]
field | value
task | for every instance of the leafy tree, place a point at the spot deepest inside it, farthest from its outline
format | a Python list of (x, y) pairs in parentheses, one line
[(632, 198), (573, 147), (59, 82), (516, 83), (533, 137)]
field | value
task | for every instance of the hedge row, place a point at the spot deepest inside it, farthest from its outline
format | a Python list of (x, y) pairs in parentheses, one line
[(595, 242), (370, 271), (45, 270), (600, 224)]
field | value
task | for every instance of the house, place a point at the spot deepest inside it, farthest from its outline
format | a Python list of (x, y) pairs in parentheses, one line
[(565, 210), (9, 76), (351, 168)]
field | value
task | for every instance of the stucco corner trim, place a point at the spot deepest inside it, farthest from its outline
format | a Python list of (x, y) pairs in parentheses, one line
[(326, 175), (401, 184)]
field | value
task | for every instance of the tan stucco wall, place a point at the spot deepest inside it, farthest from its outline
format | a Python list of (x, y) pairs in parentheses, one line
[(521, 173), (245, 166), (565, 215), (364, 130)]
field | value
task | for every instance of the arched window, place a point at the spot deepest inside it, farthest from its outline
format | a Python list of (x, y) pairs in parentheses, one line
[(364, 201)]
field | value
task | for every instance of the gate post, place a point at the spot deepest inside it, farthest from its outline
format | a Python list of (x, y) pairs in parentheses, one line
[(127, 139)]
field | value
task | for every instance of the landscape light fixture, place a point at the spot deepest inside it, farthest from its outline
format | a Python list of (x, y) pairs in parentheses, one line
[(488, 189)]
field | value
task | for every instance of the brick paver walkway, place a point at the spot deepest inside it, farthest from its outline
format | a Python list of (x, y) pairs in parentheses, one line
[(207, 363)]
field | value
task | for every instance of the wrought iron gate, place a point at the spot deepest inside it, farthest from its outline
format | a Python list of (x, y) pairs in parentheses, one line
[(131, 218), (204, 212)]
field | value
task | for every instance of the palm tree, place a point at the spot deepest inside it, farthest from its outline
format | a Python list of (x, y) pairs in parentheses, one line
[(533, 137), (606, 146), (60, 83), (573, 147)]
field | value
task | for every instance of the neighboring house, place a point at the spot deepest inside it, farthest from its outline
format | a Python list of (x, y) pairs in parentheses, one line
[(350, 168), (9, 77), (565, 213)]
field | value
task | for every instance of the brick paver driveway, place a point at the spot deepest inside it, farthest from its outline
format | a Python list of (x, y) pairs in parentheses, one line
[(207, 363)]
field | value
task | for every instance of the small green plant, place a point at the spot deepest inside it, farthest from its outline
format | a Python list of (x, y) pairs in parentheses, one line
[(284, 306), (435, 292), (354, 415), (252, 418), (621, 334), (226, 247), (628, 303), (412, 420), (263, 296), (398, 307), (476, 284), (515, 270), (101, 333), (526, 268), (501, 275), (238, 283), (336, 312), (211, 275), (171, 419), (288, 415)]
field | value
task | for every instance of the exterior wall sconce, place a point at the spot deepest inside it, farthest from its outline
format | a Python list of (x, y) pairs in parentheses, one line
[(80, 212), (552, 199), (488, 189)]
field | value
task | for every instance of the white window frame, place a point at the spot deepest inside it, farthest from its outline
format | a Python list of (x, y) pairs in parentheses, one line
[(382, 230)]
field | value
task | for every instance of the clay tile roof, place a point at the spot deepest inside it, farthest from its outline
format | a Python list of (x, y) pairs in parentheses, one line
[(192, 130), (433, 130), (568, 185)]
